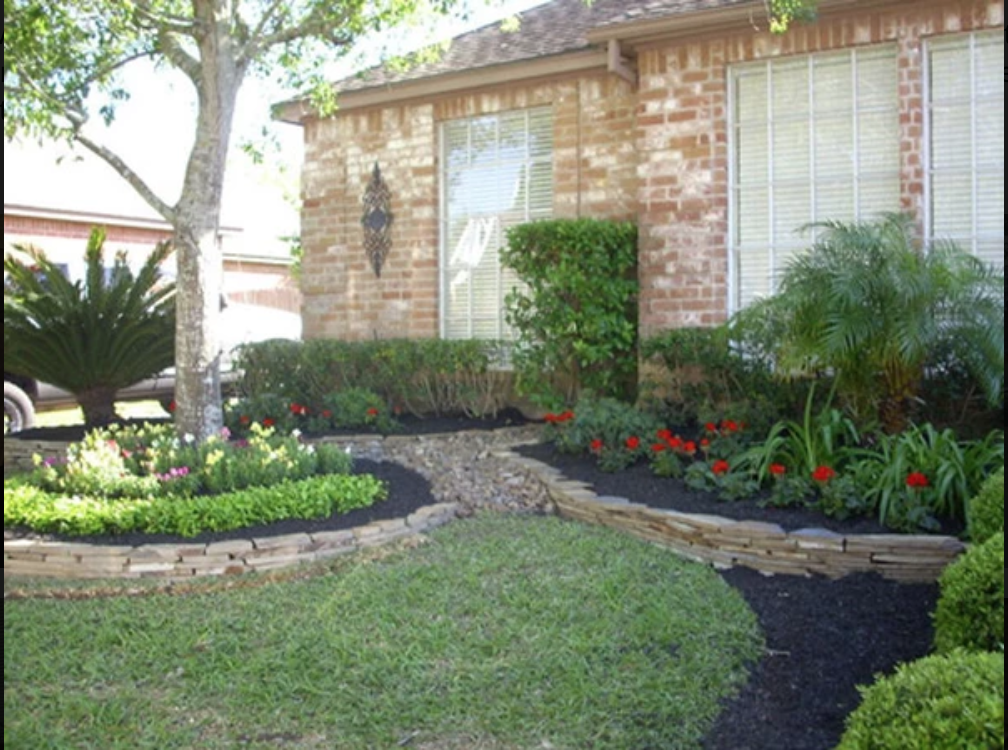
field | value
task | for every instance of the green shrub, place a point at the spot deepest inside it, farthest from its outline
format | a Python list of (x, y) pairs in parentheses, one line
[(986, 510), (92, 337), (948, 701), (575, 311), (419, 376), (615, 432), (27, 506), (970, 611), (698, 375), (152, 460)]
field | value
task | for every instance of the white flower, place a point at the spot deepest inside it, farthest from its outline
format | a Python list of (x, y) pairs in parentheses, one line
[(189, 438)]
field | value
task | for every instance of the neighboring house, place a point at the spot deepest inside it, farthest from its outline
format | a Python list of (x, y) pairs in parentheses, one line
[(718, 138), (260, 280)]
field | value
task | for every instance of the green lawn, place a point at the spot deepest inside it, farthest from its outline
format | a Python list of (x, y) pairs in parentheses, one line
[(502, 632), (125, 409)]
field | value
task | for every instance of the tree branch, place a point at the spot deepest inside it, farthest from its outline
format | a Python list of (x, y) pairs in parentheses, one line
[(315, 24), (128, 174)]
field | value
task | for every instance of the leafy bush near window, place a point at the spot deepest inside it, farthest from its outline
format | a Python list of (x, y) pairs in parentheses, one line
[(970, 611), (866, 304), (148, 479), (698, 375), (952, 700), (575, 310), (612, 430), (418, 376), (986, 510)]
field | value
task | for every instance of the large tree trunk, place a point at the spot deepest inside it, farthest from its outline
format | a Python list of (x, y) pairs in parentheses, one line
[(197, 223), (98, 405)]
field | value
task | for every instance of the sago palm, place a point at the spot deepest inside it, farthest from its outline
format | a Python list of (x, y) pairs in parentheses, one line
[(90, 337), (868, 305)]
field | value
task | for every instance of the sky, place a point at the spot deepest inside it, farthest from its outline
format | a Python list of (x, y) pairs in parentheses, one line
[(153, 132)]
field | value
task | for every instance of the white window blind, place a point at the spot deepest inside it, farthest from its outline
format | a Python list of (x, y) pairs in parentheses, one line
[(814, 137), (966, 155), (496, 172)]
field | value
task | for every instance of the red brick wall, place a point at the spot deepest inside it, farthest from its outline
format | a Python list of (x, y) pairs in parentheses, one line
[(658, 154), (595, 174), (682, 142)]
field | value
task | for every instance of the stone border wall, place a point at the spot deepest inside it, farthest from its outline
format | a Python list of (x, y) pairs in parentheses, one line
[(29, 557), (715, 540), (765, 547)]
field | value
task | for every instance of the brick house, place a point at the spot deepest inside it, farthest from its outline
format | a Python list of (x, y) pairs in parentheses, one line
[(718, 138)]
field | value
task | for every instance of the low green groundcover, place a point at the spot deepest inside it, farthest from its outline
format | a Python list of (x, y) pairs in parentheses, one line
[(27, 506), (501, 632)]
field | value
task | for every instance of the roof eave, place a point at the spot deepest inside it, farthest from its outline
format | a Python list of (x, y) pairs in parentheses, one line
[(299, 110)]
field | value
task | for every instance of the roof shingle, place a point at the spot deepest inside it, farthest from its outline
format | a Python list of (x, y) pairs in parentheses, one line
[(554, 28)]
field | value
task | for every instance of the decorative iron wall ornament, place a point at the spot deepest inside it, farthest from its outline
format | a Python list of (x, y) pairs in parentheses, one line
[(377, 220)]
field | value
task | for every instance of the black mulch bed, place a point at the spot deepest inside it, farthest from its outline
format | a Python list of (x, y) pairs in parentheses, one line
[(824, 637)]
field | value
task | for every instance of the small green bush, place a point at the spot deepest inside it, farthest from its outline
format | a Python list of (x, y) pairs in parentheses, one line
[(948, 701), (697, 375), (986, 510), (419, 376), (26, 506), (575, 311), (970, 611), (615, 432)]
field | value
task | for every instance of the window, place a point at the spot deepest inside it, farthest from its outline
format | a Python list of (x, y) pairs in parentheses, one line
[(813, 138), (966, 154), (496, 172)]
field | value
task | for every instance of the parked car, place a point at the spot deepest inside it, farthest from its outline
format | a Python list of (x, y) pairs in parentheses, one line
[(241, 324)]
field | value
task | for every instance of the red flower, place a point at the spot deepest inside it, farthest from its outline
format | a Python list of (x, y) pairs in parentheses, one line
[(269, 422), (705, 443), (676, 443), (372, 412), (665, 435), (823, 474), (245, 419), (633, 443), (551, 418), (298, 410), (721, 467), (710, 427), (730, 426), (659, 447), (690, 447), (172, 406), (327, 413), (596, 445), (778, 470), (917, 481), (567, 416)]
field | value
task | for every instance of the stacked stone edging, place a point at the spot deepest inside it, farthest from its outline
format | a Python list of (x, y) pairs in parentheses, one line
[(454, 463), (31, 557), (765, 547)]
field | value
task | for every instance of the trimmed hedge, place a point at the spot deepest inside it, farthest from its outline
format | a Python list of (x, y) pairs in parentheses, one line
[(27, 506), (575, 311), (986, 510), (949, 701), (419, 376), (970, 611)]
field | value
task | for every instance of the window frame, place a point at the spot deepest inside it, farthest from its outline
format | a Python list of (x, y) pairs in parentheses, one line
[(528, 162), (775, 245), (975, 240)]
